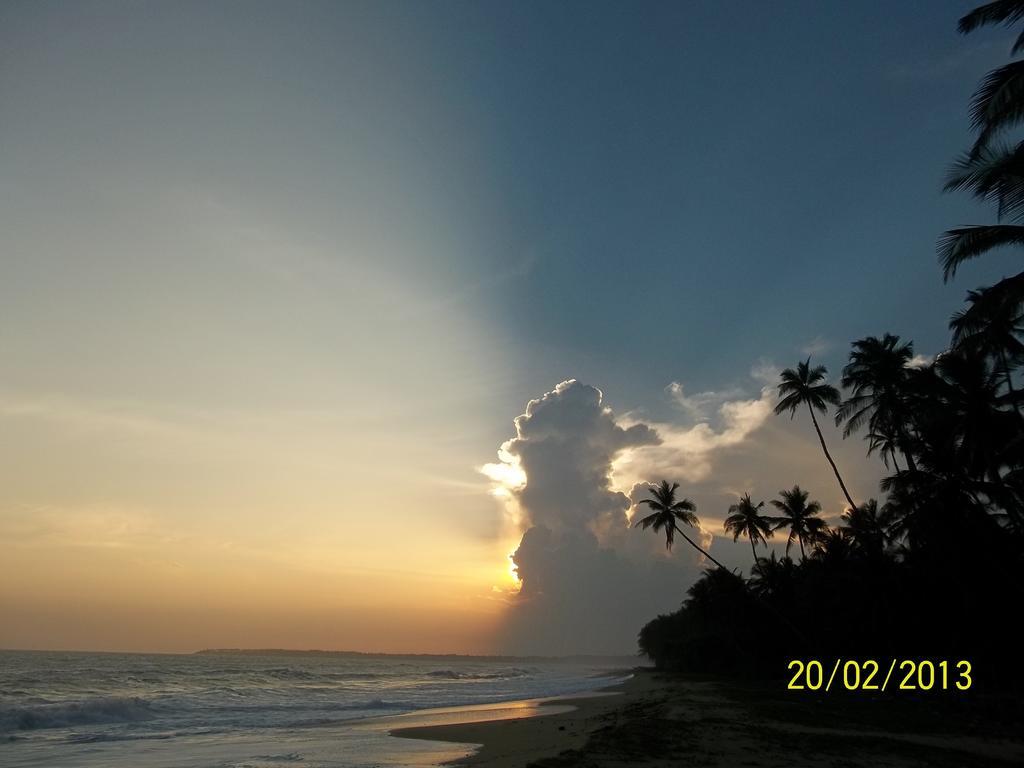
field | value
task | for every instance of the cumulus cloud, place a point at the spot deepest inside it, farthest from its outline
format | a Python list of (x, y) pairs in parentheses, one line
[(569, 477), (558, 461), (920, 361), (573, 473), (699, 406), (687, 452)]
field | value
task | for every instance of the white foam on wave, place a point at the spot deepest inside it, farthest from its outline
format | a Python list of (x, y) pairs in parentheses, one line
[(107, 709), (78, 708)]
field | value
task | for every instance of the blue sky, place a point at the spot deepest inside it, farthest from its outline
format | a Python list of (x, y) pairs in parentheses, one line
[(667, 189), (706, 184), (262, 258)]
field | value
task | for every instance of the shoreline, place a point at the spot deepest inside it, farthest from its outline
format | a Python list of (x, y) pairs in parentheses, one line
[(668, 721), (519, 732)]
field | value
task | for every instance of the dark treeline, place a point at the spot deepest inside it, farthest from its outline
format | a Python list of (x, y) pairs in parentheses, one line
[(933, 567)]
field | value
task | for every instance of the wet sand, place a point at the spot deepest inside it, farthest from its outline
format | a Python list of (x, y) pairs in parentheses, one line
[(663, 721), (530, 730)]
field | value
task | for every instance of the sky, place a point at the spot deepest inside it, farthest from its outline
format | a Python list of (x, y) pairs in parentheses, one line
[(277, 278)]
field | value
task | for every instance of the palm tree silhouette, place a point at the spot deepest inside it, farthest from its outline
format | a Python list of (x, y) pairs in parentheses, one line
[(745, 520), (772, 577), (967, 392), (800, 516), (993, 175), (833, 545), (868, 527), (998, 12), (884, 441), (877, 377), (964, 243), (968, 451), (806, 386), (993, 172), (666, 514), (997, 102), (993, 325)]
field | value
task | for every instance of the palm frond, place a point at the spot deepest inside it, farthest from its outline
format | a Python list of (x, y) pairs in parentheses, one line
[(789, 403), (959, 245), (650, 520), (998, 103), (689, 518), (994, 174), (996, 12)]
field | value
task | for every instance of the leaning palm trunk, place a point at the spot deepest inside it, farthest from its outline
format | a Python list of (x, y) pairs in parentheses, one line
[(895, 464), (903, 439), (699, 548), (908, 454), (765, 603), (828, 456)]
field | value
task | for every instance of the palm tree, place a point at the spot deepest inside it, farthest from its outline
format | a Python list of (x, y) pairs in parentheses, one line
[(877, 377), (868, 527), (806, 386), (884, 442), (964, 243), (800, 516), (967, 450), (745, 520), (967, 391), (993, 325), (666, 514), (993, 172), (998, 103), (772, 577), (833, 545), (1004, 12)]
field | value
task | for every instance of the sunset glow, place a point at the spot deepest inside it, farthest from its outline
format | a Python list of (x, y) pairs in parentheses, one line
[(313, 315)]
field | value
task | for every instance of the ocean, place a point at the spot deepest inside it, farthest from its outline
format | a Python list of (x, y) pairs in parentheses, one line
[(255, 710)]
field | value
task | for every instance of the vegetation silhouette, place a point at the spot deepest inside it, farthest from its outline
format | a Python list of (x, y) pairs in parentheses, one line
[(800, 516), (804, 385), (745, 519), (667, 511), (991, 169), (932, 568), (876, 377)]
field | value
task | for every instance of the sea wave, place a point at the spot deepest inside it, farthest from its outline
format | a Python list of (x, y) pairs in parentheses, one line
[(289, 674), (451, 674), (115, 710), (112, 709), (97, 738)]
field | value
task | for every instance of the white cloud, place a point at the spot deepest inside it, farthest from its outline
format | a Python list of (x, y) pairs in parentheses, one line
[(816, 346), (557, 464), (575, 471), (687, 452), (699, 406), (920, 361), (586, 576)]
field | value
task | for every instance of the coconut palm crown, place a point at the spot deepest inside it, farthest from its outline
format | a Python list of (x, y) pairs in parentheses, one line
[(745, 519), (667, 513), (800, 516), (804, 385)]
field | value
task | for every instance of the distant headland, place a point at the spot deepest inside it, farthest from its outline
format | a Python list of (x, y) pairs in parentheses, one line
[(579, 658)]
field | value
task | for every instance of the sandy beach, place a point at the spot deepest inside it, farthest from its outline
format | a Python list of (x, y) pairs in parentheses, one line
[(534, 730), (670, 721)]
